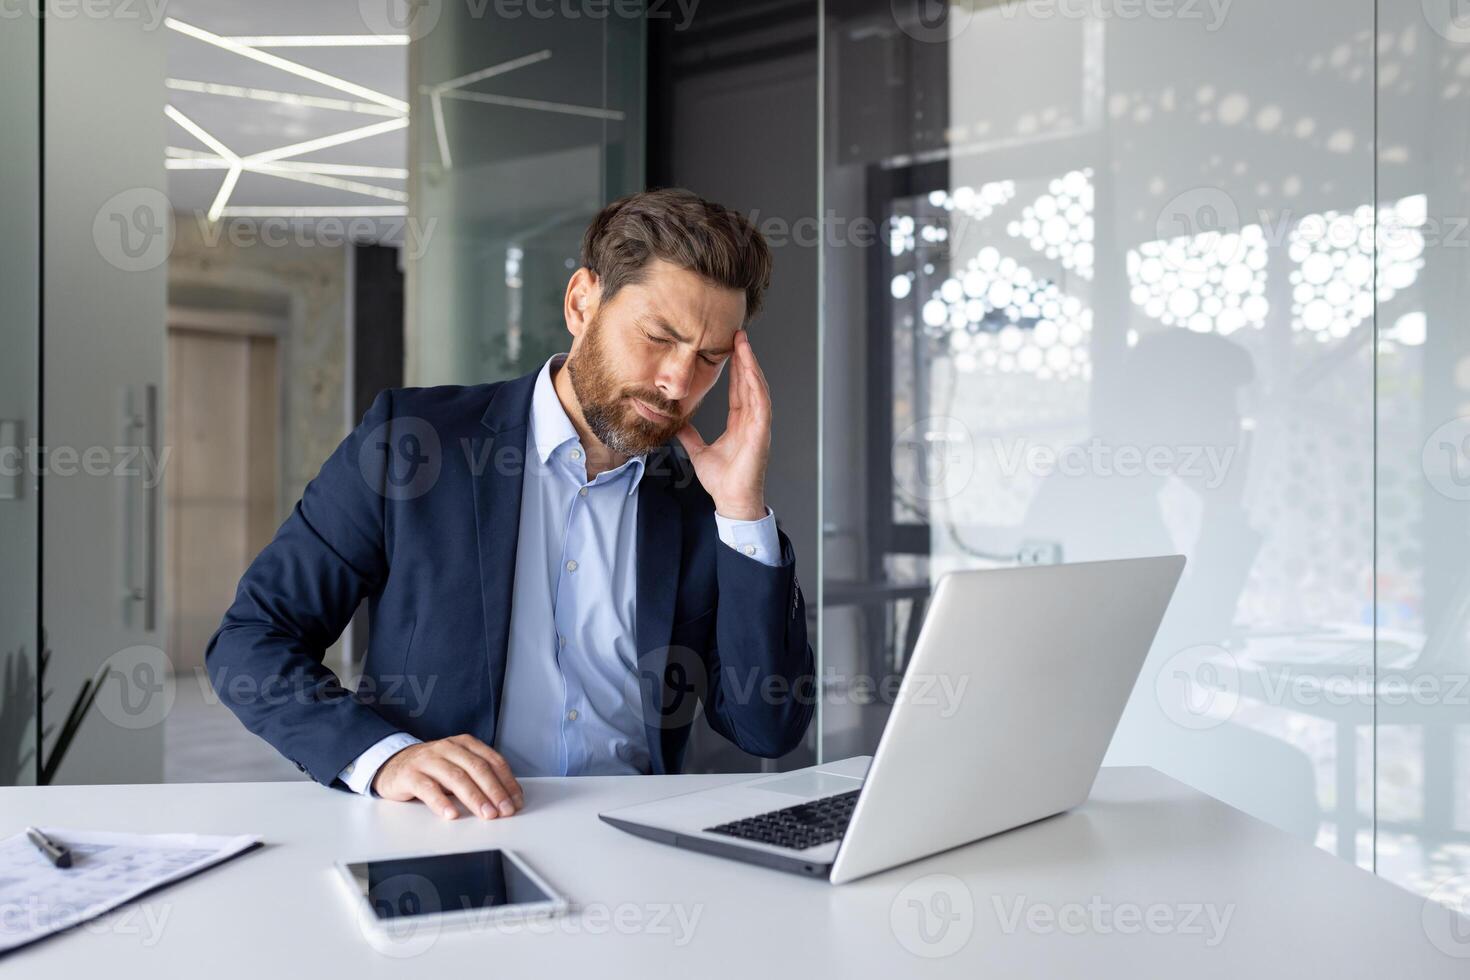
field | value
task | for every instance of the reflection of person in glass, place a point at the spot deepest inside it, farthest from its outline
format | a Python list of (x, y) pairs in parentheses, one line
[(1169, 419), (1175, 396)]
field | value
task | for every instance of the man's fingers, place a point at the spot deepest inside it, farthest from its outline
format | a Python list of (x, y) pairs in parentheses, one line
[(485, 776), (691, 440), (425, 788), (737, 380), (458, 782), (497, 763), (760, 392)]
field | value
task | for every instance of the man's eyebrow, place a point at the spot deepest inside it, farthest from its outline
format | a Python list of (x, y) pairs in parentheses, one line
[(664, 325)]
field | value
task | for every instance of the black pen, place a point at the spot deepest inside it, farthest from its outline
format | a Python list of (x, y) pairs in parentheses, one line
[(59, 854)]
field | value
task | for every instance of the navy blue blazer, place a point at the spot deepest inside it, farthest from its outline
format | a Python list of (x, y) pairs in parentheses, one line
[(418, 512)]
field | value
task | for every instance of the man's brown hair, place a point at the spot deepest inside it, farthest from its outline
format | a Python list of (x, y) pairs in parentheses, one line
[(684, 229)]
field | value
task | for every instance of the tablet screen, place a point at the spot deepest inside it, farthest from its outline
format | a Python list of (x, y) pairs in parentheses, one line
[(445, 883)]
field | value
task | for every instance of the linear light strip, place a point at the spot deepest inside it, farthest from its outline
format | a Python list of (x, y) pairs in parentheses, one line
[(286, 65), (441, 132), (316, 212), (539, 105), (197, 131), (320, 40), (499, 69), (232, 176), (271, 95), (183, 159), (322, 142), (321, 180)]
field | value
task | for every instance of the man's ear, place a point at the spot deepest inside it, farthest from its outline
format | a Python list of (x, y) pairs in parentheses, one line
[(579, 306)]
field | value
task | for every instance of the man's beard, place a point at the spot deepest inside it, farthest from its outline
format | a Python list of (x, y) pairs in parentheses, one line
[(606, 407)]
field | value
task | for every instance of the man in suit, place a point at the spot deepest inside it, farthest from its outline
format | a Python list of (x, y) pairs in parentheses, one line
[(552, 588)]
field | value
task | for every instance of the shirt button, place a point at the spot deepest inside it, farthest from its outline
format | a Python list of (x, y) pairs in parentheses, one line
[(572, 715), (750, 549), (582, 492), (572, 565), (576, 454)]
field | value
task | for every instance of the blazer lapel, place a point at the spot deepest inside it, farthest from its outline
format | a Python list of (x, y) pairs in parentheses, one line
[(499, 469)]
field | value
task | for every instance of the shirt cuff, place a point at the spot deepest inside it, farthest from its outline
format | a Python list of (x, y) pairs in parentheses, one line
[(756, 539), (358, 774)]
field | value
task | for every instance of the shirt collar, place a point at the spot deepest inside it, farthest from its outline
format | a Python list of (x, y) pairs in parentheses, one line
[(551, 429)]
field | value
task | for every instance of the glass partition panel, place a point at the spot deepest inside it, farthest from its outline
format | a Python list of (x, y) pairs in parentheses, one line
[(20, 333), (1422, 781), (1121, 304), (524, 124)]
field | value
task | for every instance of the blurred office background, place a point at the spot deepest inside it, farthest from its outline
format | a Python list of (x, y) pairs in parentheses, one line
[(1053, 283)]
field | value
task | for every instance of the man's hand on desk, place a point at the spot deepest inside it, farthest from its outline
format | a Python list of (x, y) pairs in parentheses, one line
[(461, 766)]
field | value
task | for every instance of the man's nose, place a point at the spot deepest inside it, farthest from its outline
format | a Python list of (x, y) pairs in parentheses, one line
[(675, 377)]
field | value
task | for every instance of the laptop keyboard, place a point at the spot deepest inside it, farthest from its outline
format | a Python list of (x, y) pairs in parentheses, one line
[(797, 827)]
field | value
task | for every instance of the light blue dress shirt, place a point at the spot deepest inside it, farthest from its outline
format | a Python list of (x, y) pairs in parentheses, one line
[(572, 704)]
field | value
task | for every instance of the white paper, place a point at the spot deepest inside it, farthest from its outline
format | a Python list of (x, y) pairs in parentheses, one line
[(37, 898)]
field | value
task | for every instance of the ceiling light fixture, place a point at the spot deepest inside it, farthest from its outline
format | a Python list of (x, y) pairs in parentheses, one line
[(317, 212), (286, 65), (321, 40), (271, 95)]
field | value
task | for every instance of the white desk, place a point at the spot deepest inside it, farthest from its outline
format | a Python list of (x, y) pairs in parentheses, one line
[(1143, 845)]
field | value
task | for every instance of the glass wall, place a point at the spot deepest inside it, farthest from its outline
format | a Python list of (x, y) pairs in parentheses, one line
[(20, 312), (1142, 285), (522, 128), (1422, 779)]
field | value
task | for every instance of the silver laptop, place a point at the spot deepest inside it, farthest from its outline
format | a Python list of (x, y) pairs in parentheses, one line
[(1015, 686)]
